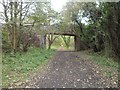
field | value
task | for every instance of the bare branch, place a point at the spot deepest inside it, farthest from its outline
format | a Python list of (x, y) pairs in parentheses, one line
[(26, 11)]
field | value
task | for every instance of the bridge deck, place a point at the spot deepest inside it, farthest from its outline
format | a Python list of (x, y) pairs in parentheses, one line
[(62, 33)]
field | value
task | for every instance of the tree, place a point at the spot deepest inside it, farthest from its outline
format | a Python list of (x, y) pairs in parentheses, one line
[(66, 40), (111, 22), (51, 39), (14, 14), (101, 31)]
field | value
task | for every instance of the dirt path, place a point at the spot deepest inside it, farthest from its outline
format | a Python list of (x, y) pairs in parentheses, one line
[(68, 70)]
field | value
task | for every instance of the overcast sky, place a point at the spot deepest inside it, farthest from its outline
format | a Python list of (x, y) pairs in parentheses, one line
[(57, 5)]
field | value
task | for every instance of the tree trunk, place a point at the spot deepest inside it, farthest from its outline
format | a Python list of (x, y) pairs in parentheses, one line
[(77, 43), (15, 27), (49, 45)]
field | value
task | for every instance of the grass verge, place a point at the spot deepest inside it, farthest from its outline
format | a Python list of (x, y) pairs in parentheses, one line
[(105, 62), (16, 69)]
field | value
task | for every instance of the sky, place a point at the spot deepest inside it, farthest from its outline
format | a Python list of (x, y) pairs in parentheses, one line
[(55, 4), (58, 4)]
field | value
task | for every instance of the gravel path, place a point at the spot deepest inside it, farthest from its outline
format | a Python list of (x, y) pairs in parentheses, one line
[(68, 70)]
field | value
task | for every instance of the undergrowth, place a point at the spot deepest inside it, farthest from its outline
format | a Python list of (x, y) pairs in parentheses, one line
[(106, 62), (16, 69)]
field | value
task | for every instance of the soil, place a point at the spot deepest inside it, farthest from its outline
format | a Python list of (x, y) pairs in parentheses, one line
[(69, 69)]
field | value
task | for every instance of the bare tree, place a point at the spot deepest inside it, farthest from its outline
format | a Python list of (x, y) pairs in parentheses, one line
[(66, 40), (14, 14), (51, 39)]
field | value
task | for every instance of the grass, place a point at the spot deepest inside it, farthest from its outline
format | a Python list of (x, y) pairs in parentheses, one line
[(59, 41), (16, 69), (105, 62)]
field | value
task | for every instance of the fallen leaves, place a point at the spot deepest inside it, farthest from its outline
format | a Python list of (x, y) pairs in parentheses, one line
[(97, 72), (78, 80)]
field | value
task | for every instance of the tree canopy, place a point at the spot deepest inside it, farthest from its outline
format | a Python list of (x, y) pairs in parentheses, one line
[(95, 23)]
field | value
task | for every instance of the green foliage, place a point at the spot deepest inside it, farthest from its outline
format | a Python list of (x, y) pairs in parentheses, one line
[(59, 41), (103, 24), (111, 24), (103, 60), (21, 65), (6, 46), (111, 64), (66, 40)]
